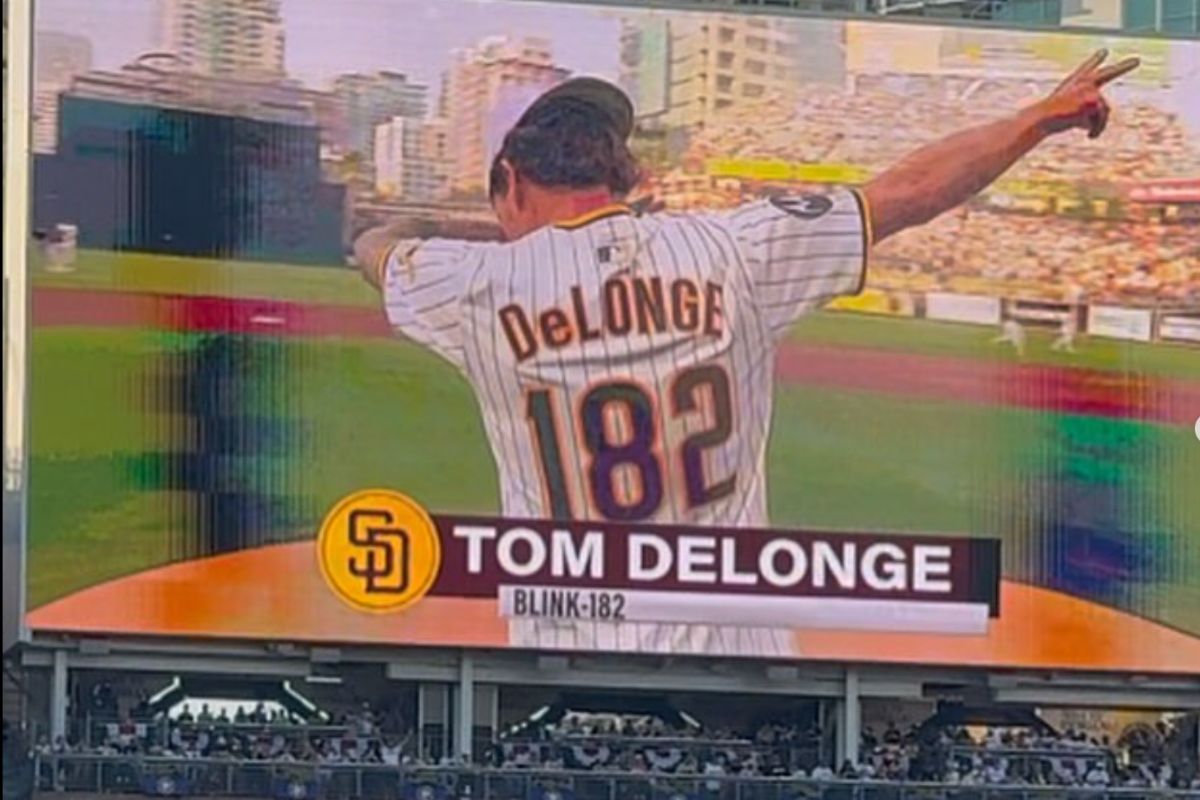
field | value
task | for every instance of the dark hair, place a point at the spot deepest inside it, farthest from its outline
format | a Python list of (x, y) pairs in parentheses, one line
[(567, 144)]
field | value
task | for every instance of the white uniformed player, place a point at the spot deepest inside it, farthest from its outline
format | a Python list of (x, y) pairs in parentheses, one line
[(623, 363), (1069, 327), (1013, 333), (1066, 333)]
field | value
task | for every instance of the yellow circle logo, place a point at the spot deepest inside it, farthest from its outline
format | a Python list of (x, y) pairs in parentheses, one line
[(379, 550)]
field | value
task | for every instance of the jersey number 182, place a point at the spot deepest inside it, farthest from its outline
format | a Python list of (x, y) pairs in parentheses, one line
[(637, 446)]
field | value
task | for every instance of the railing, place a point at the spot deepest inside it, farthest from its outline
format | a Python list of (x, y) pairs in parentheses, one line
[(305, 781), (804, 753)]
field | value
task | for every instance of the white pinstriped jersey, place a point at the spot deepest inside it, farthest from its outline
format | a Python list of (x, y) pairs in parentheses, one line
[(623, 364)]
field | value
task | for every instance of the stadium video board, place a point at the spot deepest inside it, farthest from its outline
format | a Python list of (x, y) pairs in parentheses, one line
[(678, 423)]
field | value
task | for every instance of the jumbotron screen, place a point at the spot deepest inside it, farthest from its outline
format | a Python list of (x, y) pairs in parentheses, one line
[(659, 362)]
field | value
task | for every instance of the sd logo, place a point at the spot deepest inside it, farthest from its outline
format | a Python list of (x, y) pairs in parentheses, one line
[(378, 550)]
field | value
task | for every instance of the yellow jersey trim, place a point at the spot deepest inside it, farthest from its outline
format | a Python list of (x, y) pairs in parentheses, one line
[(864, 208), (610, 210), (381, 265)]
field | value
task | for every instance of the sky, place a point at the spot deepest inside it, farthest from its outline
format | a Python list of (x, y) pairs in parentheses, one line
[(411, 36), (416, 37)]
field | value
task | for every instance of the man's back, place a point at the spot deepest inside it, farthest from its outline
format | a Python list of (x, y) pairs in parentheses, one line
[(623, 364)]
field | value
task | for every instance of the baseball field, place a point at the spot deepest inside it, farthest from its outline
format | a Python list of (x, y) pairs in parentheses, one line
[(880, 423)]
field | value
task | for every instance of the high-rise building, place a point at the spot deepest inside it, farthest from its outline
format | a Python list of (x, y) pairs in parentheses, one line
[(482, 80), (412, 159), (224, 37), (370, 100), (1093, 13), (719, 64), (646, 64), (57, 59), (685, 71)]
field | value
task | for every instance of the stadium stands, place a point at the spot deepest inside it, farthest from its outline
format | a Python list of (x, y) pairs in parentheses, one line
[(591, 758), (174, 777), (1101, 246)]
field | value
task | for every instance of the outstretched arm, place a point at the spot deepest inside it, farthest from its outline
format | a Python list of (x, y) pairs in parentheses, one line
[(942, 175), (372, 248)]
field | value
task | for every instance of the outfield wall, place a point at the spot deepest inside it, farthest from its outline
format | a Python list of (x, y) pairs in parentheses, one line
[(1178, 326)]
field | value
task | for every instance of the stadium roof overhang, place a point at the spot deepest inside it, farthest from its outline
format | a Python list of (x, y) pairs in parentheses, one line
[(627, 673)]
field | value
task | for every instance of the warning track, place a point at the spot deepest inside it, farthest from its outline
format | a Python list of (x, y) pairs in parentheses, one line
[(950, 378)]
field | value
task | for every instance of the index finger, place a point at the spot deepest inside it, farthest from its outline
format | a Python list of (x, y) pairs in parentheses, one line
[(1092, 61), (1111, 73)]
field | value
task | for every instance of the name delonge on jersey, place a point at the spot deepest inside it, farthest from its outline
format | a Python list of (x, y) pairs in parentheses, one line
[(629, 304)]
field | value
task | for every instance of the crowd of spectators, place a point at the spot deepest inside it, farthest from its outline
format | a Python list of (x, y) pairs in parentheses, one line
[(361, 736), (1036, 245), (1044, 257), (645, 744), (1025, 757), (1158, 757), (993, 756)]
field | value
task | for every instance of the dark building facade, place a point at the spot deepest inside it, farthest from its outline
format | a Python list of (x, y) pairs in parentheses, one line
[(171, 180)]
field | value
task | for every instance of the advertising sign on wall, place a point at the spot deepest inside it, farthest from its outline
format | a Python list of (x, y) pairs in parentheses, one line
[(1136, 324), (1179, 328), (962, 308)]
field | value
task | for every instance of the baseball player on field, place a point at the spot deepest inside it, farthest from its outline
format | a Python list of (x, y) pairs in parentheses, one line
[(1012, 332), (623, 361)]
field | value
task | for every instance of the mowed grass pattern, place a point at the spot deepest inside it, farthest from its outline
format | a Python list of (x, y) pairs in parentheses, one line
[(387, 413), (162, 274)]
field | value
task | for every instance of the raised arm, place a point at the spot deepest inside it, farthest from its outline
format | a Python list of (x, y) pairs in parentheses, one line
[(942, 175), (372, 248), (422, 282)]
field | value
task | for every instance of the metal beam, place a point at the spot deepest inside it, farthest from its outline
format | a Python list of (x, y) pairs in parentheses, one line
[(671, 681), (403, 671), (850, 720), (466, 708), (617, 671), (131, 662), (17, 105), (58, 696), (1100, 698)]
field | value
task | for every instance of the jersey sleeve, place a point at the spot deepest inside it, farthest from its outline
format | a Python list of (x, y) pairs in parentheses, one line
[(801, 251), (424, 283)]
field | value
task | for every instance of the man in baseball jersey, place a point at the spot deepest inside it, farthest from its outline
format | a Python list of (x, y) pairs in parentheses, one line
[(623, 362)]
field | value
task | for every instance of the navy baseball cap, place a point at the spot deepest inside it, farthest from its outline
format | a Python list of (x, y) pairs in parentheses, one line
[(600, 94)]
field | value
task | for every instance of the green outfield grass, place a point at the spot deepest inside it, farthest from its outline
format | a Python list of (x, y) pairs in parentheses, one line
[(975, 341), (162, 274), (145, 272), (382, 413)]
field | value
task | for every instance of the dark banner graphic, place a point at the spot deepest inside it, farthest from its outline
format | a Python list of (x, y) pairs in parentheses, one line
[(378, 552)]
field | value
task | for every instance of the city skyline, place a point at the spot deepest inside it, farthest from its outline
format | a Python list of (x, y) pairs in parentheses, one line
[(321, 46)]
